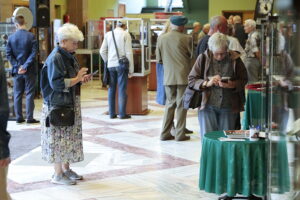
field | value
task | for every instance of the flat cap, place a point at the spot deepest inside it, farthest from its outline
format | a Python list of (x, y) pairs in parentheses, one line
[(178, 20)]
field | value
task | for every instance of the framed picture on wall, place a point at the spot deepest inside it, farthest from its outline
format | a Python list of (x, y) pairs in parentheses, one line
[(244, 14)]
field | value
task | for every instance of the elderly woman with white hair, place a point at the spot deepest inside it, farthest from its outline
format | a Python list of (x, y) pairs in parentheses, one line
[(221, 75), (60, 84), (252, 49)]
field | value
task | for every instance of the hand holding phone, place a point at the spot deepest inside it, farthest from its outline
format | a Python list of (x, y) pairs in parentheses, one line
[(94, 73), (225, 79)]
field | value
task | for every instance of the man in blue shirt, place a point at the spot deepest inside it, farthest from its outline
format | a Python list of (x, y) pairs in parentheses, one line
[(21, 50)]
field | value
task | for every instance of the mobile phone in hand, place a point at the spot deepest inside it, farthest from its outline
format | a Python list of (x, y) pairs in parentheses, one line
[(94, 73), (225, 79)]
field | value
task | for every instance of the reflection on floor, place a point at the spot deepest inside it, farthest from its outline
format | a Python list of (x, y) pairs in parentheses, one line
[(124, 159)]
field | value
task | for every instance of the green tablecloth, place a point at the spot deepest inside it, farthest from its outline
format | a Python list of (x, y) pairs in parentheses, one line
[(233, 167)]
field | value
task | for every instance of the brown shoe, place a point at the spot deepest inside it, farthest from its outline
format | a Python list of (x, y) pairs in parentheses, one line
[(183, 138), (169, 137)]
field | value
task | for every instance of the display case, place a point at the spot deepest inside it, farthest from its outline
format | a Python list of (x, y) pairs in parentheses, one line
[(156, 28), (279, 99), (139, 30), (93, 34), (6, 29)]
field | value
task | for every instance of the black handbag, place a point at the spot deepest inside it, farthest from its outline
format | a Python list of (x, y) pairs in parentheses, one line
[(192, 98), (105, 78), (61, 116), (123, 61)]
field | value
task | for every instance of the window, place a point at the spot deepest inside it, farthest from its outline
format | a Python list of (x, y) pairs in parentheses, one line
[(175, 3)]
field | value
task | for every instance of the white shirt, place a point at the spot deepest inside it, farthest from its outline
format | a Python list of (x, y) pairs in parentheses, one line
[(235, 45), (251, 46), (108, 50)]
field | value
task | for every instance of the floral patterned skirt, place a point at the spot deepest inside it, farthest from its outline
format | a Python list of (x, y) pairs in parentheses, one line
[(62, 144)]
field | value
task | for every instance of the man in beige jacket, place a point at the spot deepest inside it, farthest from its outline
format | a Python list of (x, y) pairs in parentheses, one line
[(175, 52)]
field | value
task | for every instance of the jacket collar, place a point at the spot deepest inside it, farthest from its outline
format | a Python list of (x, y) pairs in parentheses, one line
[(65, 53)]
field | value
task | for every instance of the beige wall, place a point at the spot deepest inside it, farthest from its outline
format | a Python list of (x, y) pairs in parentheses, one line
[(102, 8), (217, 6), (63, 8), (7, 8)]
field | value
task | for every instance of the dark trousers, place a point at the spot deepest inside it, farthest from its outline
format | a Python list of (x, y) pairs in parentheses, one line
[(24, 83), (117, 76)]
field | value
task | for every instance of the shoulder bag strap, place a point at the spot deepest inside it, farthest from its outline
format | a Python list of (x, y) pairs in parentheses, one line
[(112, 31), (203, 64)]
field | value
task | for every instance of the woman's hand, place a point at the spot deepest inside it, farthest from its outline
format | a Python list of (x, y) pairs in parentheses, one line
[(81, 73), (230, 84), (87, 78), (214, 81)]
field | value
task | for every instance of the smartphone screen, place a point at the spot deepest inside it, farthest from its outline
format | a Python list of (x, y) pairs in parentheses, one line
[(225, 79), (94, 73)]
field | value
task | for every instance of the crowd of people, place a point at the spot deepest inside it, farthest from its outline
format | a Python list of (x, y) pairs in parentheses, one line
[(224, 48), (218, 60)]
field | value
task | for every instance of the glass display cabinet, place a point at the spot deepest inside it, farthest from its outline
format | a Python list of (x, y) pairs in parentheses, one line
[(156, 28), (280, 99), (139, 30), (6, 29), (283, 104)]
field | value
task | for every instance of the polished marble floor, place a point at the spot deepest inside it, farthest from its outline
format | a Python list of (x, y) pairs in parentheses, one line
[(124, 159)]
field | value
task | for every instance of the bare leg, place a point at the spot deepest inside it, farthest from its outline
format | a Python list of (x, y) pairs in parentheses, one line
[(65, 167), (58, 169)]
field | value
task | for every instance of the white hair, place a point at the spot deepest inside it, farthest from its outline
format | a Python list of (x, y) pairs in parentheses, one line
[(218, 41), (69, 31), (174, 27), (251, 23)]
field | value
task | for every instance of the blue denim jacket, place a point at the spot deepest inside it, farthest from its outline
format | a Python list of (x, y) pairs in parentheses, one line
[(21, 49), (4, 113), (59, 68)]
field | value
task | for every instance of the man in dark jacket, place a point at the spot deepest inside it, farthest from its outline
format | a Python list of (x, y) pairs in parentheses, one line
[(217, 24), (4, 135), (21, 51), (239, 31)]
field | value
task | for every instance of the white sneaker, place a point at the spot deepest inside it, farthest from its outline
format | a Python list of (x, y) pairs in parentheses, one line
[(72, 175), (62, 180)]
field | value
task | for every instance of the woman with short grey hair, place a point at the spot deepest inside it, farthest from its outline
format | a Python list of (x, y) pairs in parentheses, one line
[(217, 42), (221, 75), (60, 84)]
